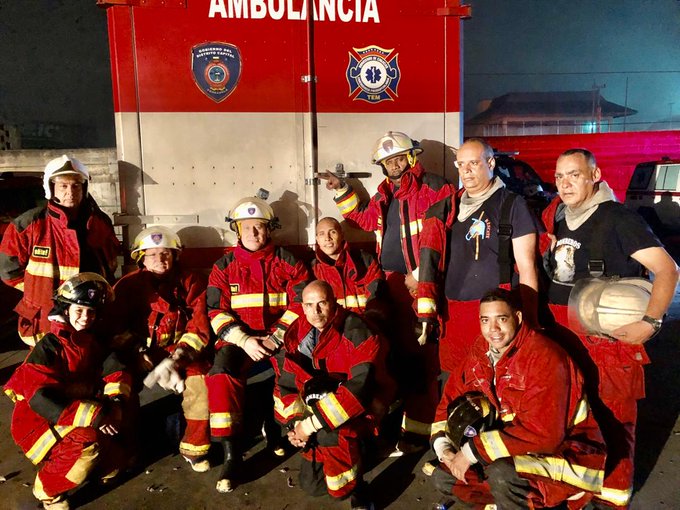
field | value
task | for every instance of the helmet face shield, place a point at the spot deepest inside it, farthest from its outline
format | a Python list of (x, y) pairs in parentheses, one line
[(85, 289), (394, 143), (63, 165), (251, 208), (154, 237), (468, 416)]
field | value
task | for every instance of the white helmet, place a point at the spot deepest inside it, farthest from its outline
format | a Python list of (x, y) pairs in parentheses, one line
[(63, 165), (252, 208), (154, 237), (394, 143), (599, 306)]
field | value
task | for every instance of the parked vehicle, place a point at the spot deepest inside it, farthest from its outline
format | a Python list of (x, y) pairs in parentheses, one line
[(617, 154), (654, 191), (207, 112)]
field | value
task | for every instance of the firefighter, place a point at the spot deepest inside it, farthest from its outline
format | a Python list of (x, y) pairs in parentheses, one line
[(357, 280), (546, 447), (471, 242), (253, 297), (69, 395), (45, 246), (333, 386), (395, 213), (589, 234), (165, 331)]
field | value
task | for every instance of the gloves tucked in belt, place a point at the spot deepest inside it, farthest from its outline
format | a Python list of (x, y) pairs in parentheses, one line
[(166, 375)]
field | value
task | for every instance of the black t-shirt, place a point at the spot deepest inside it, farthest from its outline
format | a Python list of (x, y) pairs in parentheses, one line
[(621, 233), (473, 264), (392, 254)]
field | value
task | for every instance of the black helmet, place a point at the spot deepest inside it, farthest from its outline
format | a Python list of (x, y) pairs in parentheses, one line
[(318, 387), (468, 415), (85, 289)]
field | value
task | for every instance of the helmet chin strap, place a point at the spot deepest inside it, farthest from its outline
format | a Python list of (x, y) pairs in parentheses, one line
[(411, 158)]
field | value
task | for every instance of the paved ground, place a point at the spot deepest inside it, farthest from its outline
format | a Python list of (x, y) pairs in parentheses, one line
[(166, 482)]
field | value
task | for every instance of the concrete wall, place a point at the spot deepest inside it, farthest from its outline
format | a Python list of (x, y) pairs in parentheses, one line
[(102, 164)]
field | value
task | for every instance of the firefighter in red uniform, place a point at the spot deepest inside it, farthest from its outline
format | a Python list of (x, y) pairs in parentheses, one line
[(471, 243), (68, 395), (395, 214), (548, 448), (162, 309), (355, 276), (590, 234), (253, 297), (333, 383), (47, 245)]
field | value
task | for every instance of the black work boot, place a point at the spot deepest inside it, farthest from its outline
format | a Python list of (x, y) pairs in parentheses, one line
[(232, 462), (359, 499), (272, 435)]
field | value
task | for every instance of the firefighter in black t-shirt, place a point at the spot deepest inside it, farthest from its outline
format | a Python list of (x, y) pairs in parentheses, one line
[(590, 234)]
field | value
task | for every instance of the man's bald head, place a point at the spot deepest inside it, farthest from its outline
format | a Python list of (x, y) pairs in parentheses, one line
[(330, 237), (318, 303)]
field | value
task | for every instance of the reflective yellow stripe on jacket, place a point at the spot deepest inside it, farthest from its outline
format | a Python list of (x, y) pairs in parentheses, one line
[(220, 320), (45, 443), (47, 270), (560, 470), (337, 482), (414, 228), (239, 301), (333, 410), (297, 407)]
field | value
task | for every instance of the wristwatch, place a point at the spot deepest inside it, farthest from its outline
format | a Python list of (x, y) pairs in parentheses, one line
[(656, 323)]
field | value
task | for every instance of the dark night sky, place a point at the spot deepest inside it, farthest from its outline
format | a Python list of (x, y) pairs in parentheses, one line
[(54, 57), (528, 44)]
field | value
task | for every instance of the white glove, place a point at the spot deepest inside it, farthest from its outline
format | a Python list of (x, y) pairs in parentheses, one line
[(424, 333), (166, 375)]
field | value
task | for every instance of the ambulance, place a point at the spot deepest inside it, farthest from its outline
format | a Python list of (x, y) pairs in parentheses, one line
[(217, 99)]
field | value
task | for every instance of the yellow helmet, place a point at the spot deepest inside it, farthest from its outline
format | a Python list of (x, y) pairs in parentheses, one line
[(154, 237), (394, 143), (252, 208)]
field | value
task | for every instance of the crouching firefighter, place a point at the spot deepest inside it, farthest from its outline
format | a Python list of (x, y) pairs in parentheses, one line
[(69, 396), (526, 437), (253, 297), (332, 389), (162, 308)]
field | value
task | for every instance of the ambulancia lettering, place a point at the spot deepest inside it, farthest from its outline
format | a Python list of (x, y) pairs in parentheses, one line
[(346, 11)]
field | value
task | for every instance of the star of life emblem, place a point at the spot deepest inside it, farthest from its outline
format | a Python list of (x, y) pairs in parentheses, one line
[(373, 74), (216, 69)]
